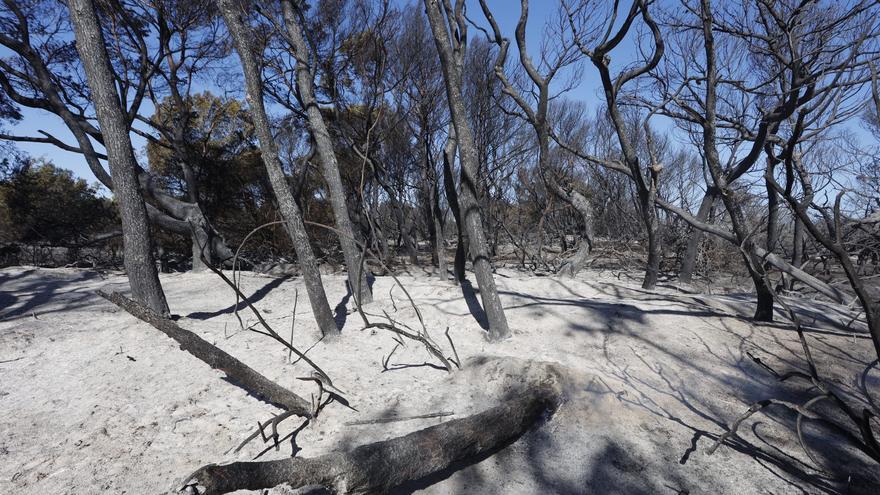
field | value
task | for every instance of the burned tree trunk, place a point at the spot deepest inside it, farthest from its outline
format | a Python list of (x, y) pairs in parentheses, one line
[(722, 180), (458, 273), (686, 275), (139, 263), (243, 38), (305, 84), (451, 61), (239, 373), (379, 467), (580, 203), (439, 237), (649, 215)]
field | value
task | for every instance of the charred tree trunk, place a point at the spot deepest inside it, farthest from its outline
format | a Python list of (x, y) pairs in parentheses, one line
[(381, 466), (646, 188), (435, 214), (139, 263), (239, 373), (430, 202), (404, 225), (440, 244), (458, 268), (585, 247), (305, 83), (652, 227), (723, 180), (582, 205), (688, 264), (772, 208), (451, 63), (406, 232), (749, 251), (652, 268), (243, 37)]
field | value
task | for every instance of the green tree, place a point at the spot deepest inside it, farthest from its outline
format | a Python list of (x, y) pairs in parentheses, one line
[(43, 204)]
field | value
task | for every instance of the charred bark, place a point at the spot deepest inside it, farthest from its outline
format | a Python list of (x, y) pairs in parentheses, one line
[(243, 38), (379, 467), (451, 61), (140, 266), (433, 212), (327, 156), (458, 268), (689, 262), (582, 205)]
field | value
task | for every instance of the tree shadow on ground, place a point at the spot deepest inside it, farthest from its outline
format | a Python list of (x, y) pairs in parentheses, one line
[(340, 312), (666, 394), (41, 291), (255, 297), (470, 297)]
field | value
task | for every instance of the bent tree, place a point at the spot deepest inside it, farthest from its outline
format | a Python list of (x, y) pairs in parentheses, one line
[(139, 263), (441, 14), (243, 39)]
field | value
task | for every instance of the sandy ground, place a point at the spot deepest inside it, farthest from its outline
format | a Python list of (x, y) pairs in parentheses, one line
[(94, 401)]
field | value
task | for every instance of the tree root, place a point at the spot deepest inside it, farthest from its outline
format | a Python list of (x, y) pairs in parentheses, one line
[(381, 466)]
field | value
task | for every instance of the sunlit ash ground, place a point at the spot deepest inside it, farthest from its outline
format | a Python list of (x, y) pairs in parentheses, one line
[(94, 401)]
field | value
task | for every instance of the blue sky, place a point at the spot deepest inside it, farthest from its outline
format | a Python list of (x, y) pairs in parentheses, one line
[(506, 11)]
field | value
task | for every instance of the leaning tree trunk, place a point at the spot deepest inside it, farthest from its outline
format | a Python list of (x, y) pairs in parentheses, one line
[(686, 275), (143, 275), (305, 84), (381, 466), (243, 37), (479, 253), (237, 372)]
